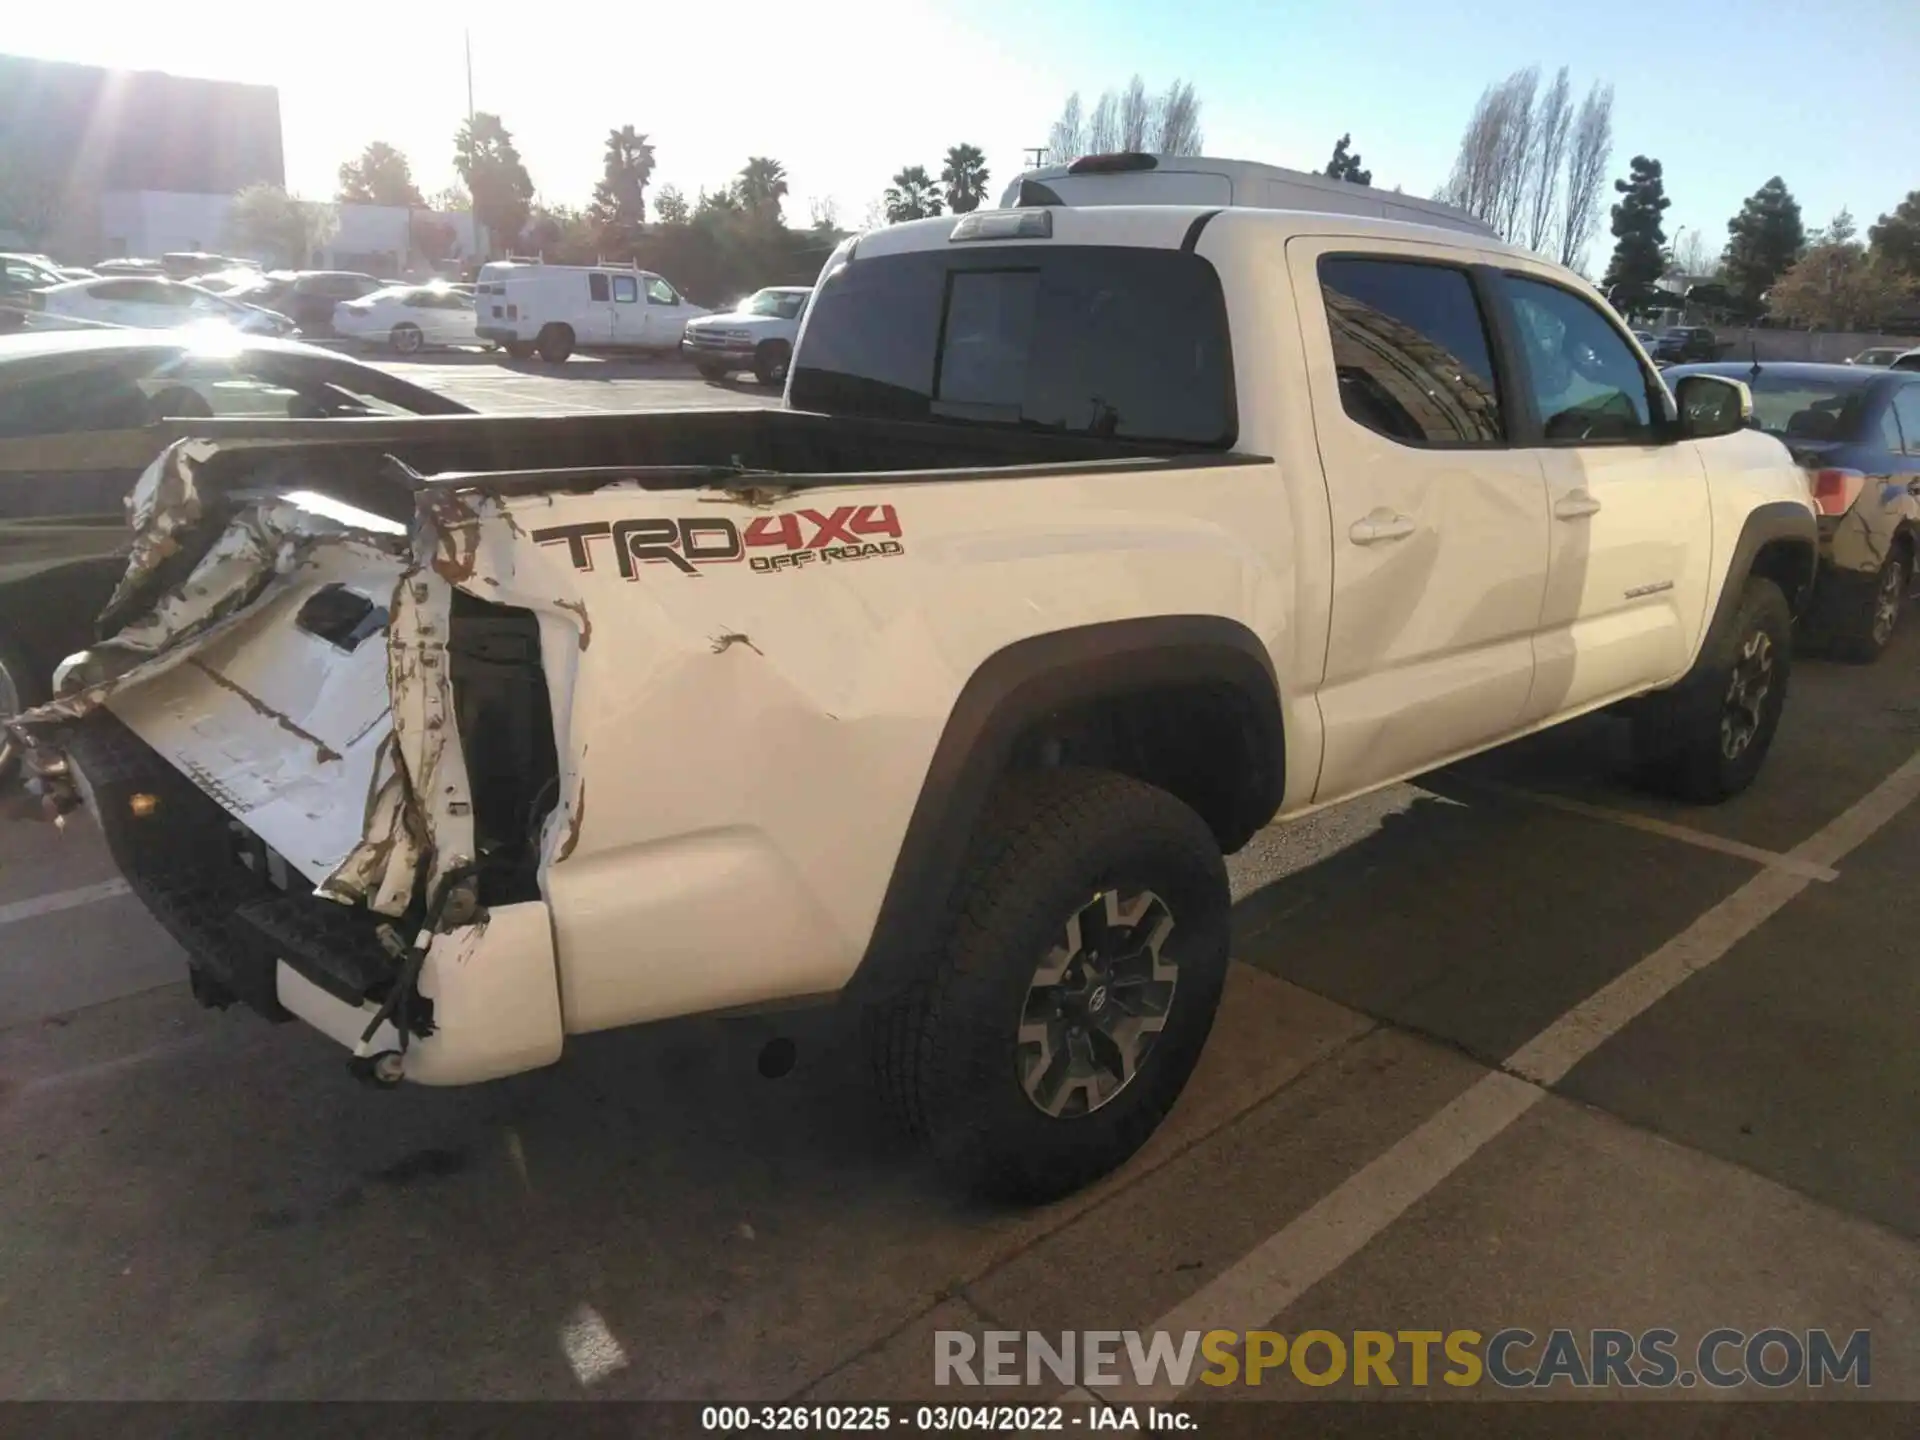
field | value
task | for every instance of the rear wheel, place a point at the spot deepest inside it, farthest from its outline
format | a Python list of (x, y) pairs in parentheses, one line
[(1705, 739), (519, 349), (406, 338), (1870, 612), (770, 360), (1070, 995), (555, 343)]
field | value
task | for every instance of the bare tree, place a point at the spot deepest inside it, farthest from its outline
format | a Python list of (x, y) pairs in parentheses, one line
[(1515, 152), (1587, 156), (1552, 119), (1103, 130), (1481, 176), (1067, 140), (1692, 256), (1178, 130), (1136, 116), (1129, 119)]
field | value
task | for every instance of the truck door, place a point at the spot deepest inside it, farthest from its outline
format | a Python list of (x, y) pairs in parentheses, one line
[(629, 315), (1628, 569), (1439, 526)]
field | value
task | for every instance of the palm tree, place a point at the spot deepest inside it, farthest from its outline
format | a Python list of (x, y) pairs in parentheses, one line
[(912, 196), (965, 176), (628, 165), (763, 183)]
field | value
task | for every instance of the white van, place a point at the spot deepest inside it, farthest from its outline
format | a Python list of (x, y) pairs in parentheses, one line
[(529, 306), (1135, 179)]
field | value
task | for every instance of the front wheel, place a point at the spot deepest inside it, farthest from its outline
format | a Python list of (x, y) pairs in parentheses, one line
[(406, 339), (712, 371), (770, 361), (1705, 739), (1067, 1002)]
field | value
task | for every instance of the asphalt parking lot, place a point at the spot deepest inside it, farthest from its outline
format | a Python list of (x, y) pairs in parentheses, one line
[(1517, 1046)]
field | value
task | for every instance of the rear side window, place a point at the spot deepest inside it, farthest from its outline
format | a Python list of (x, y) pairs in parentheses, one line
[(597, 287), (1410, 350), (1121, 343)]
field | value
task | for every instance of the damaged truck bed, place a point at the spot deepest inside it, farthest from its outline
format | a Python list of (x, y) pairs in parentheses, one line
[(338, 722)]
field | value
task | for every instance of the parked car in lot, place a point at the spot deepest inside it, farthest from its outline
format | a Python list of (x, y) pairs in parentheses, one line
[(1909, 360), (531, 307), (1878, 355), (128, 266), (150, 302), (82, 412), (1088, 541), (408, 318), (308, 296), (757, 335), (1681, 343), (1856, 433), (20, 276)]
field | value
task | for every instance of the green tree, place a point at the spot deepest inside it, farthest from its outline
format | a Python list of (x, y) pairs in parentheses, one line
[(1639, 254), (1896, 237), (620, 199), (1835, 286), (496, 177), (670, 207), (964, 174), (761, 186), (454, 198), (1840, 230), (265, 220), (1345, 165), (912, 196), (1764, 240), (381, 176)]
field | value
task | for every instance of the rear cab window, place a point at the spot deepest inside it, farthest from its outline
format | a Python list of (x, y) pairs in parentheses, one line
[(1411, 351), (1109, 341)]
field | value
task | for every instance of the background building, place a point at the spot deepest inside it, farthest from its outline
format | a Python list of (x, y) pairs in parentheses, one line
[(129, 159)]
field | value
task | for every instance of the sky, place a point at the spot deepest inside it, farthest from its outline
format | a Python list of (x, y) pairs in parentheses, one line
[(1725, 93)]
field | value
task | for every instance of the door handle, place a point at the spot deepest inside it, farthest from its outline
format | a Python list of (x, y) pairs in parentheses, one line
[(1380, 525), (1576, 506)]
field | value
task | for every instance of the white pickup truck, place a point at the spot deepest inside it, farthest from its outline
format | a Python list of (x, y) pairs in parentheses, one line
[(1089, 541)]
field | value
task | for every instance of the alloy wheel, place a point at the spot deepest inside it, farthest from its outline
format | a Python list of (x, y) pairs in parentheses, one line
[(1097, 1003), (1747, 692)]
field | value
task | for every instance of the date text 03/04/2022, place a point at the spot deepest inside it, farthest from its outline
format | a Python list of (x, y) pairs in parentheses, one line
[(946, 1419)]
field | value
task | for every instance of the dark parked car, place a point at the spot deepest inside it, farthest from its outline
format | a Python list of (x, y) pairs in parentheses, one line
[(308, 295), (82, 413), (1856, 432), (1681, 343)]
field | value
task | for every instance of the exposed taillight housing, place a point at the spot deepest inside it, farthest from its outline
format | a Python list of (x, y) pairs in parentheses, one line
[(1835, 490)]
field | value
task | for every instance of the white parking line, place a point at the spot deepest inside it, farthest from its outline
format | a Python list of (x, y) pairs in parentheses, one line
[(1282, 1268), (1792, 864), (17, 910)]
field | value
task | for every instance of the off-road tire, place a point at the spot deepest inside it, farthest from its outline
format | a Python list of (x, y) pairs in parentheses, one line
[(945, 1052), (1861, 630), (406, 339), (1680, 748), (555, 343), (770, 361)]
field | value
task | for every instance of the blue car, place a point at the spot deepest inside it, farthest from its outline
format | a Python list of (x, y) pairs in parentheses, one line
[(1856, 432)]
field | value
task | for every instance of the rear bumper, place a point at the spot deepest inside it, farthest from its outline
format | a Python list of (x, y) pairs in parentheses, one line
[(253, 932)]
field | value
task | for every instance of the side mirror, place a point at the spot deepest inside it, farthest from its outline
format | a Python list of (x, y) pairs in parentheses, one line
[(1712, 405)]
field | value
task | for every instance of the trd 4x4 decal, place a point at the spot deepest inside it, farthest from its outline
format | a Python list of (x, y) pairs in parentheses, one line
[(796, 538)]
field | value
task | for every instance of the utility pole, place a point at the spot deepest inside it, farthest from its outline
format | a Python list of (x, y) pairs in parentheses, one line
[(479, 232)]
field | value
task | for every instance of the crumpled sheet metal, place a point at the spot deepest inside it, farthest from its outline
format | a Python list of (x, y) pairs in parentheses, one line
[(419, 812)]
